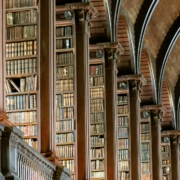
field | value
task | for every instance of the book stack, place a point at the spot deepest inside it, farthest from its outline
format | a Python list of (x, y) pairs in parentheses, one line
[(21, 67), (65, 92), (123, 131), (97, 117)]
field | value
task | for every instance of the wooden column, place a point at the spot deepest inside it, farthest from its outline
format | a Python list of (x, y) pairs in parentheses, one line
[(83, 14), (2, 56), (175, 157), (136, 82), (112, 51), (156, 115), (47, 106)]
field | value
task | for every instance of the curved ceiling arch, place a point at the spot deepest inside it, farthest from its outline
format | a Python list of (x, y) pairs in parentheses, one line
[(141, 24), (169, 119), (124, 37), (177, 103), (148, 95), (164, 53)]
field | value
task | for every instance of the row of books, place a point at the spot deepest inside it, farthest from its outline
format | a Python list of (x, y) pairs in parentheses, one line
[(32, 142), (64, 85), (99, 174), (145, 156), (123, 143), (64, 31), (64, 43), (123, 132), (96, 81), (96, 105), (96, 93), (63, 138), (21, 17), (166, 162), (69, 164), (145, 137), (122, 109), (97, 164), (122, 121), (28, 130), (65, 151), (144, 127), (26, 84), (123, 154), (96, 117), (165, 148), (23, 66), (145, 167), (20, 32), (123, 166), (23, 117), (121, 99), (97, 140), (18, 3), (64, 58), (145, 147), (96, 69), (96, 152), (21, 49), (166, 177), (97, 128), (65, 72), (165, 155), (67, 125), (21, 102), (64, 113), (124, 176), (166, 170), (65, 99)]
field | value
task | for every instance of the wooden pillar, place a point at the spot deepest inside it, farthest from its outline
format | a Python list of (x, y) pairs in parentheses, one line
[(83, 13), (156, 115), (136, 82), (46, 52), (175, 157), (112, 51), (2, 56)]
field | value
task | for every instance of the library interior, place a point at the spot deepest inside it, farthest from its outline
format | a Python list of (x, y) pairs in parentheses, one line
[(89, 90)]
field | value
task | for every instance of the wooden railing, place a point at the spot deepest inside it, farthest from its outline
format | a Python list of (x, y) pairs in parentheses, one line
[(19, 161)]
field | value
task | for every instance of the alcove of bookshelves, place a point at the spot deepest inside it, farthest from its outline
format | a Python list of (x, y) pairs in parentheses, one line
[(65, 94), (166, 156), (97, 113), (123, 118), (22, 93), (146, 157)]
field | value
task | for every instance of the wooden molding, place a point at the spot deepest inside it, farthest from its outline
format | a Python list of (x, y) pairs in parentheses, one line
[(4, 120)]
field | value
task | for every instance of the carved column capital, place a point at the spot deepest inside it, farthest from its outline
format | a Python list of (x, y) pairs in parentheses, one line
[(85, 11), (174, 141)]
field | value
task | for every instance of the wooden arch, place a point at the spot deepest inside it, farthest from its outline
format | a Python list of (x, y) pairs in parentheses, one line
[(148, 95), (168, 120), (124, 37)]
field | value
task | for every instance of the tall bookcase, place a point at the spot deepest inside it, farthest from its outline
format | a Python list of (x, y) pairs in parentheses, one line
[(166, 157), (146, 160), (123, 118), (97, 113), (22, 67), (65, 93)]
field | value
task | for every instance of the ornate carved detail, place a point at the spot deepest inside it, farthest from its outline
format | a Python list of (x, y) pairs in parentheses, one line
[(154, 108), (63, 173), (80, 6), (135, 86), (174, 140)]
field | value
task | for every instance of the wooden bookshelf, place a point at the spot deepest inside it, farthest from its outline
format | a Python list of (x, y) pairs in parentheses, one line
[(166, 156), (123, 118), (22, 67), (146, 158), (65, 93), (97, 113)]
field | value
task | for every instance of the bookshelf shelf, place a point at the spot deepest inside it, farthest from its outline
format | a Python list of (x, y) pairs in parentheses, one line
[(22, 110), (25, 124), (21, 9), (123, 130), (20, 75), (21, 93), (21, 57)]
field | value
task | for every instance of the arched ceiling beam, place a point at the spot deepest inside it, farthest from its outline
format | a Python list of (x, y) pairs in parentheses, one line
[(164, 53), (177, 103), (141, 24)]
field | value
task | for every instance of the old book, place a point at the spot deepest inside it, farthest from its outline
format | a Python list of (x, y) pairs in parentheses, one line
[(14, 85)]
